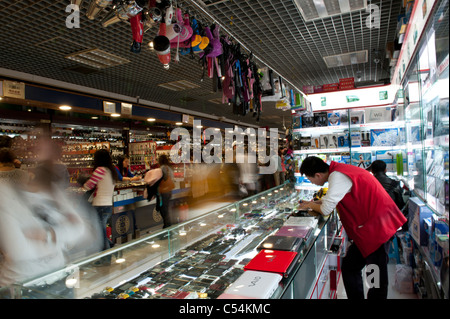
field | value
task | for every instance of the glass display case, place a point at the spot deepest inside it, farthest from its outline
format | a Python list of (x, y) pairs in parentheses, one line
[(426, 109), (199, 258)]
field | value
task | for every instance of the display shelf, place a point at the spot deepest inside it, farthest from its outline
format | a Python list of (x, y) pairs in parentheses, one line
[(323, 150), (199, 258)]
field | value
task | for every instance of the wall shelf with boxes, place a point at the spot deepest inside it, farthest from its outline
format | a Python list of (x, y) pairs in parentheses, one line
[(352, 136), (424, 104)]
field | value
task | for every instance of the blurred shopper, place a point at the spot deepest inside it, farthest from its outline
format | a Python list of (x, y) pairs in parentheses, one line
[(48, 154), (123, 170), (8, 171), (248, 173), (368, 215), (7, 142), (165, 189), (39, 228), (152, 180), (102, 182), (282, 165), (279, 179)]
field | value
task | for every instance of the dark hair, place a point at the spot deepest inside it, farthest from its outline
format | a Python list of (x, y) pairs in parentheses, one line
[(377, 167), (6, 155), (5, 141), (120, 160), (312, 165), (103, 158), (163, 160)]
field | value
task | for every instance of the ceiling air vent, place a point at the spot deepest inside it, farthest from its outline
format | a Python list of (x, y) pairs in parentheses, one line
[(216, 101), (187, 99), (320, 9), (344, 59), (179, 85), (81, 69), (97, 58)]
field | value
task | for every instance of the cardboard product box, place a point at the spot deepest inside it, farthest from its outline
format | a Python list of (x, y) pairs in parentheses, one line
[(365, 138), (332, 141), (418, 212), (355, 139), (334, 118), (307, 121), (296, 122), (415, 134), (343, 139), (346, 159), (356, 117), (320, 119), (305, 142), (323, 141), (362, 159), (315, 142), (384, 137), (378, 114), (296, 142)]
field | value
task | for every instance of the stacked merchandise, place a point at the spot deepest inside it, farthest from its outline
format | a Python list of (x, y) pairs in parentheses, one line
[(278, 255), (217, 265)]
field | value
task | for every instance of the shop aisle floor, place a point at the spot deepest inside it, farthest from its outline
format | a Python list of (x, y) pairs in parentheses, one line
[(392, 292)]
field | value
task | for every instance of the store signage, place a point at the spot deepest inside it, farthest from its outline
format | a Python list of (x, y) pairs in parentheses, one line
[(126, 108), (187, 119), (14, 89), (109, 107), (378, 95)]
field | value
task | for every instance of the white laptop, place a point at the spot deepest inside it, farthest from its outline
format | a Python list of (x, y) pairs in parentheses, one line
[(253, 285), (301, 221)]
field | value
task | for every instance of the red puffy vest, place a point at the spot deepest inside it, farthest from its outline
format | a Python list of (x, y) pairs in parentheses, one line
[(369, 215)]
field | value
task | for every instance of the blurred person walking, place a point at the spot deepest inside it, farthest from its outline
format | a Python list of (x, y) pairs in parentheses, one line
[(8, 171), (165, 189), (39, 228)]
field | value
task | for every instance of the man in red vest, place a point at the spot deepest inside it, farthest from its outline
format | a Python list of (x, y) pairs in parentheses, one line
[(368, 214)]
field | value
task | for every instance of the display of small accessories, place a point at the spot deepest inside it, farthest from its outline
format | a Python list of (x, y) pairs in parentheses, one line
[(23, 136), (205, 268), (143, 155), (79, 143)]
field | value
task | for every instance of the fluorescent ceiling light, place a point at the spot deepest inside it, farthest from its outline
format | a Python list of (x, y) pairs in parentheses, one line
[(356, 57), (115, 115), (65, 107), (97, 58), (179, 85), (321, 9), (151, 119)]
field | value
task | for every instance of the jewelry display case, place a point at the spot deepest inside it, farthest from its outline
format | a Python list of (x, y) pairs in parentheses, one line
[(199, 258)]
